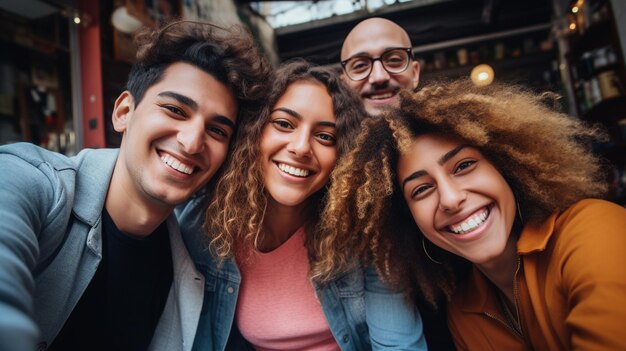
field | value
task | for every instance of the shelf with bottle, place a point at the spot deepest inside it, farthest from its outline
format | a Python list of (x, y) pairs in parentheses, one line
[(509, 48), (529, 57), (596, 77)]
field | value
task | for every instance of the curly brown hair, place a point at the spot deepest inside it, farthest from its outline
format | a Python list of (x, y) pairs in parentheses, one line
[(544, 156), (230, 55), (234, 218)]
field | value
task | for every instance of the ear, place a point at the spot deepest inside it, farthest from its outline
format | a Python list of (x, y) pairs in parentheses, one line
[(415, 66), (123, 110)]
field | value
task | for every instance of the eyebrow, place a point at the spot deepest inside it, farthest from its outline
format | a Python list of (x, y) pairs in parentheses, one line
[(443, 159), (450, 154), (180, 98), (363, 53), (225, 121), (295, 114), (194, 106)]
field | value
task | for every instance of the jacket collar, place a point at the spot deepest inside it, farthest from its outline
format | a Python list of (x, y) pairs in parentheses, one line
[(477, 294), (535, 237), (94, 171)]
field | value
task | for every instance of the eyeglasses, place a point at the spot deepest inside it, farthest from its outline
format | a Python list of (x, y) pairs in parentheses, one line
[(394, 61)]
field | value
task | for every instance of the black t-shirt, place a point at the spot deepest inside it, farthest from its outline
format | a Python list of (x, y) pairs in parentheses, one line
[(124, 301)]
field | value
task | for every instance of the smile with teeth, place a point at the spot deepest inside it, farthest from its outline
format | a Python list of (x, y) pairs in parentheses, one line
[(381, 96), (297, 172), (176, 164), (471, 223)]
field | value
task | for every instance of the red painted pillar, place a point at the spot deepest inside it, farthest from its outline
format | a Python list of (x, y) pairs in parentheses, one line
[(91, 76)]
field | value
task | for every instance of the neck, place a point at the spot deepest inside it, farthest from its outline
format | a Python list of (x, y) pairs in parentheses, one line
[(501, 270), (280, 223), (131, 212)]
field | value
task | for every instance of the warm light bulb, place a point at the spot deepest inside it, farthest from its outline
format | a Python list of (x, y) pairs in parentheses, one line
[(482, 75), (123, 21), (575, 9), (77, 20), (572, 26)]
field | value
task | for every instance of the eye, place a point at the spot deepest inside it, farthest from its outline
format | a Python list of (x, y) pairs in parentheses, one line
[(360, 64), (327, 138), (395, 59), (420, 191), (464, 165), (218, 133), (281, 124), (175, 110)]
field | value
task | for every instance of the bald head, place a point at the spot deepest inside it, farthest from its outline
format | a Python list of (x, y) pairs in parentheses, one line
[(372, 38), (376, 32)]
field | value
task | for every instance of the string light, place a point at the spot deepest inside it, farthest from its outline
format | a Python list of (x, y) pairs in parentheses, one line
[(482, 75)]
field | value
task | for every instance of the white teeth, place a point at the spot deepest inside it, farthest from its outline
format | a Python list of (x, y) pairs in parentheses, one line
[(381, 96), (470, 224), (176, 164), (298, 172)]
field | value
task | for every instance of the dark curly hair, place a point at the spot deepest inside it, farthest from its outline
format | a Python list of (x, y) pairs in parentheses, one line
[(544, 156), (234, 219), (230, 55)]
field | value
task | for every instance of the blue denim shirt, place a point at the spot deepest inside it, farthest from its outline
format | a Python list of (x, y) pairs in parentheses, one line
[(50, 247), (362, 312)]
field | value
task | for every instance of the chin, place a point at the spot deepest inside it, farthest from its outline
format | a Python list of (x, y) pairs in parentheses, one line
[(374, 111)]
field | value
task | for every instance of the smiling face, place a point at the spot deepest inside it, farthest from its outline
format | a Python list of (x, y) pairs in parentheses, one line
[(298, 144), (458, 199), (175, 139), (372, 38)]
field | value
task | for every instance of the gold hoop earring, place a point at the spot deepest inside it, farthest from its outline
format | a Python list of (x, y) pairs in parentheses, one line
[(519, 212), (426, 252)]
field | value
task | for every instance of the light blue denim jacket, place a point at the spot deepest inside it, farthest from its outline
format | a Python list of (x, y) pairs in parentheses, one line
[(362, 312), (50, 248)]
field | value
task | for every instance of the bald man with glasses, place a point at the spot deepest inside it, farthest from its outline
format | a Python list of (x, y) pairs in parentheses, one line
[(377, 63)]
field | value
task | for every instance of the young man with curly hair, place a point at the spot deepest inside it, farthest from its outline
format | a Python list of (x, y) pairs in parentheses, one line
[(91, 256)]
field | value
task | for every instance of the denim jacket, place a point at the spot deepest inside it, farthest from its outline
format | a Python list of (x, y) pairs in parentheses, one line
[(50, 248), (362, 312)]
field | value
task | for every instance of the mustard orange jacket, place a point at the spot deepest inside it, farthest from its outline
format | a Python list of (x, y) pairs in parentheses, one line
[(570, 288)]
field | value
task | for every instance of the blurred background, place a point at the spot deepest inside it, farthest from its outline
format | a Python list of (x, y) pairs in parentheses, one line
[(63, 62)]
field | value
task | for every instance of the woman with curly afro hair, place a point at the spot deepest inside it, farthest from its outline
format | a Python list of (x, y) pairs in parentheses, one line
[(487, 197)]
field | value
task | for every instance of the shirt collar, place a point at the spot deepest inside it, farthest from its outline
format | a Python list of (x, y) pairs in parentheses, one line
[(481, 297)]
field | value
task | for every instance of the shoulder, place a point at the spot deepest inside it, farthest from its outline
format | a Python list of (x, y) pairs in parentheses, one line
[(30, 172), (594, 207), (593, 215), (34, 172), (28, 154), (590, 236)]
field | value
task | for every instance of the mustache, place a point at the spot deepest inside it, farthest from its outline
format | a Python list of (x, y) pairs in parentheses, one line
[(381, 88)]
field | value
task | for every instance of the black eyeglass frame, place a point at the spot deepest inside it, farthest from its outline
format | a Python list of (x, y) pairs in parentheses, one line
[(409, 51)]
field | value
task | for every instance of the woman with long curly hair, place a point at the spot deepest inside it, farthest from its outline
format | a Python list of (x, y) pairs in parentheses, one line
[(263, 236), (486, 196)]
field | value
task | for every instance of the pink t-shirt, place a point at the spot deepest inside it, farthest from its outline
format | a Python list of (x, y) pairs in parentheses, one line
[(277, 308)]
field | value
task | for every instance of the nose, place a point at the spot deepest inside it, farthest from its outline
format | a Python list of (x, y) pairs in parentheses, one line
[(379, 74), (300, 143), (191, 135), (451, 196)]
